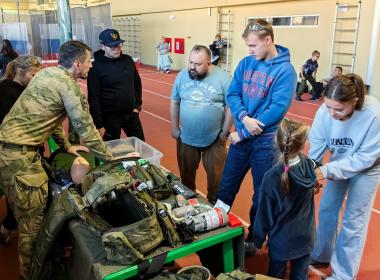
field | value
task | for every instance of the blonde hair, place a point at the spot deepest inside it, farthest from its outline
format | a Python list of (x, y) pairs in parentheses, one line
[(261, 27), (291, 137), (23, 63)]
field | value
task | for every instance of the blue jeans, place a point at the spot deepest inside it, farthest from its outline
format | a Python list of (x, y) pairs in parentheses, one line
[(344, 248), (298, 268), (256, 154)]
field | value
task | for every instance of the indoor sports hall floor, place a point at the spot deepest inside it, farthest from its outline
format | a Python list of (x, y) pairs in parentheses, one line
[(157, 128)]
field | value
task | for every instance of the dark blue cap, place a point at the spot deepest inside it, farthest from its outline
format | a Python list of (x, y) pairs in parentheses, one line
[(110, 38)]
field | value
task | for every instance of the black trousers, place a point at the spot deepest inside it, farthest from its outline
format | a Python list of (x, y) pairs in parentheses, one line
[(298, 268), (130, 123)]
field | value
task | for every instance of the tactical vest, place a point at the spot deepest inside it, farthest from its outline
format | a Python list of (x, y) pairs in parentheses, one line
[(123, 245)]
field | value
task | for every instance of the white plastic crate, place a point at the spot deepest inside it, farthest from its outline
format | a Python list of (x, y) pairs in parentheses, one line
[(146, 151)]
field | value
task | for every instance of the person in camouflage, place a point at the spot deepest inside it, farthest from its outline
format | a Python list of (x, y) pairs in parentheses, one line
[(50, 97)]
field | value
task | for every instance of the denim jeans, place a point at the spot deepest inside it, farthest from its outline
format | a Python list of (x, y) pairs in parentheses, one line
[(298, 268), (256, 154), (344, 248)]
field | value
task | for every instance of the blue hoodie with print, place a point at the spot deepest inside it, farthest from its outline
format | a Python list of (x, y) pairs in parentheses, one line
[(262, 90)]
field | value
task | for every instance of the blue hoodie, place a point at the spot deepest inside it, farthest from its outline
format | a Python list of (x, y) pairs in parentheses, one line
[(262, 90)]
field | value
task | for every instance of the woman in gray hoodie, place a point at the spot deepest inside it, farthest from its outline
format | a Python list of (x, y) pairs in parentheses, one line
[(348, 126)]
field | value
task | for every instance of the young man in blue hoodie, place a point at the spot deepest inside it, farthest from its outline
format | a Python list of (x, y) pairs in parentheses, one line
[(259, 97)]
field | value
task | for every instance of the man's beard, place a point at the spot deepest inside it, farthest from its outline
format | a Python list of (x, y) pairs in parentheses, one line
[(195, 76)]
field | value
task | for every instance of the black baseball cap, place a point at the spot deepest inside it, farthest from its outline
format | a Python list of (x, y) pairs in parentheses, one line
[(110, 38)]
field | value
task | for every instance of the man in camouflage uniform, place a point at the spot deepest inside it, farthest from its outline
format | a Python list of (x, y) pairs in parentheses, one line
[(51, 96)]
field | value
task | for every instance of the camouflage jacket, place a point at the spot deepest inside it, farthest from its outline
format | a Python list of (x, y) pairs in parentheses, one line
[(39, 112)]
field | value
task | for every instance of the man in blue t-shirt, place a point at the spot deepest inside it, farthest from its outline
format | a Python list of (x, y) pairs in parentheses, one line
[(198, 100), (308, 73)]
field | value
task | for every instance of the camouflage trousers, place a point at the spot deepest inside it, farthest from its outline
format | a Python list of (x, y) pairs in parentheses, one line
[(26, 185)]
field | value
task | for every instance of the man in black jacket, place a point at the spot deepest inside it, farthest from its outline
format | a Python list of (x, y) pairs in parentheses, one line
[(114, 89)]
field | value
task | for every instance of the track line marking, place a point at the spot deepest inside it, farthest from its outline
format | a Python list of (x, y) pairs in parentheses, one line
[(155, 93), (298, 116), (306, 102), (150, 71), (170, 84), (154, 115)]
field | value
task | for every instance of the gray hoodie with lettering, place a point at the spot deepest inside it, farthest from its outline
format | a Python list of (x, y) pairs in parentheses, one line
[(354, 143)]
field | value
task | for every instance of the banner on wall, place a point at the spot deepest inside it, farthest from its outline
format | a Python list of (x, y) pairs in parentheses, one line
[(179, 45)]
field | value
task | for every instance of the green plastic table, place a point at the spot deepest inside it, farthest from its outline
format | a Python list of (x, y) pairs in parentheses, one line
[(226, 238)]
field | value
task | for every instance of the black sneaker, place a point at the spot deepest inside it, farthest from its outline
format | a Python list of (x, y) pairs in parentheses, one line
[(250, 249), (317, 264)]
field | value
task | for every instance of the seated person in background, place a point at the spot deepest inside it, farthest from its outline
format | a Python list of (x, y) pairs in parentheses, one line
[(216, 49), (308, 73), (320, 86), (338, 71)]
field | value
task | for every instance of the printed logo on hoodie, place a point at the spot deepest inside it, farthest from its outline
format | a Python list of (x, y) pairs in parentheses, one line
[(341, 144), (256, 83)]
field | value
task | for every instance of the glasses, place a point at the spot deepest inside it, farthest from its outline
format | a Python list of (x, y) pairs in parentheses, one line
[(338, 112), (256, 27)]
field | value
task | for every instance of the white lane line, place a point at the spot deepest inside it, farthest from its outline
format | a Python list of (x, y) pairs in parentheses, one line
[(154, 115), (298, 116), (155, 93), (150, 71), (305, 102), (376, 211), (170, 84)]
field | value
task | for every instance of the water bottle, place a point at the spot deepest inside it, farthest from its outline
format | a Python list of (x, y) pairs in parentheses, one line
[(215, 218)]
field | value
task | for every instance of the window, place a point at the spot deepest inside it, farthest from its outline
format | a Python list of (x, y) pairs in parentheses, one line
[(305, 20), (280, 21), (290, 21)]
